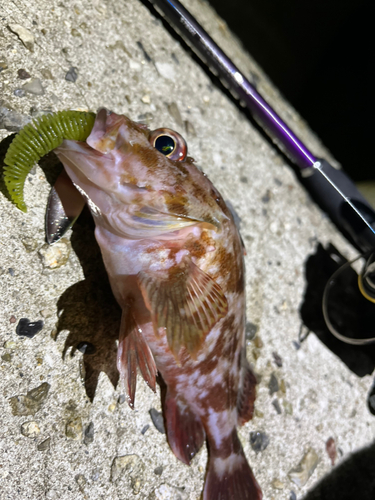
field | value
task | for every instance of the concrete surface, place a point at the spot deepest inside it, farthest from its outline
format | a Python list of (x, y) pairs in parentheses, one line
[(57, 444)]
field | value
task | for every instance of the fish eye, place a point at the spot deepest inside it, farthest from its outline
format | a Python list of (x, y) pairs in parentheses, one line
[(169, 143)]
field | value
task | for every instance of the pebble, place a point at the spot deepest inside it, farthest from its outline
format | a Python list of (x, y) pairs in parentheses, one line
[(145, 429), (73, 428), (19, 93), (277, 406), (10, 344), (175, 113), (81, 481), (277, 359), (3, 65), (273, 384), (158, 470), (56, 255), (27, 328), (7, 357), (131, 464), (86, 348), (11, 271), (168, 492), (44, 445), (277, 484), (12, 319), (89, 434), (331, 450), (250, 330), (166, 70), (189, 127), (34, 86), (11, 120), (293, 496), (146, 99), (259, 441), (30, 403), (26, 37), (301, 473), (72, 74), (30, 244), (157, 420), (121, 399), (30, 429), (23, 74)]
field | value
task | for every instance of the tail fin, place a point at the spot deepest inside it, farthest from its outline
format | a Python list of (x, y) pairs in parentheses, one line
[(230, 478)]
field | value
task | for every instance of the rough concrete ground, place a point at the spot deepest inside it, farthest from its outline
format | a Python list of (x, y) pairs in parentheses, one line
[(56, 443)]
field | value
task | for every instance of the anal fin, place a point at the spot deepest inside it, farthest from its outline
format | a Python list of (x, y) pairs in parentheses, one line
[(134, 351), (185, 431), (246, 397)]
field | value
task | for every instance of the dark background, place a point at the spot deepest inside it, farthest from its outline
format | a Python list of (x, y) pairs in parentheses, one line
[(320, 54)]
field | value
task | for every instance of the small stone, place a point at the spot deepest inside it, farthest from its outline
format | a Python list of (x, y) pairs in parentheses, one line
[(277, 406), (56, 255), (300, 474), (12, 319), (175, 113), (11, 271), (168, 492), (3, 65), (10, 344), (72, 74), (112, 406), (121, 399), (146, 99), (296, 345), (89, 434), (146, 118), (19, 93), (277, 359), (23, 74), (250, 330), (277, 484), (10, 119), (44, 445), (131, 464), (30, 244), (46, 73), (7, 357), (266, 198), (46, 313), (26, 37), (34, 86), (75, 32), (30, 403), (27, 328), (258, 342), (293, 496), (81, 481), (145, 429), (166, 70), (331, 450), (282, 386), (73, 428), (95, 474), (86, 348), (273, 384), (157, 420), (30, 429), (288, 407), (158, 470), (189, 127), (259, 441)]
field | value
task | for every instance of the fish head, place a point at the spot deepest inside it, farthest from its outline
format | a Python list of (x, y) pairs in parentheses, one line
[(140, 182)]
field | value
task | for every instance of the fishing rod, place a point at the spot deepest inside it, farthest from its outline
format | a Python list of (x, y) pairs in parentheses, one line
[(332, 188)]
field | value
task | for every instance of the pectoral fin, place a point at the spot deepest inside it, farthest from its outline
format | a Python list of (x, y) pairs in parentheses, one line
[(133, 351), (187, 303)]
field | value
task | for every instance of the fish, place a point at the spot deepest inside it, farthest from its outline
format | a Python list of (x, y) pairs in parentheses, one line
[(175, 262)]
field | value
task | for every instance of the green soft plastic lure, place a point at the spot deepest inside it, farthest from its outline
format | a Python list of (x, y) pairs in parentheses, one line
[(37, 139)]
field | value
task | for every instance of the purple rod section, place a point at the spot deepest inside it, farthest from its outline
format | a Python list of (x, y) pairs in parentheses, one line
[(185, 24)]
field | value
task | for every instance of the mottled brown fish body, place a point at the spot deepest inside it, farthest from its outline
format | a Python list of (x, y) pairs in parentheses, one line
[(175, 262)]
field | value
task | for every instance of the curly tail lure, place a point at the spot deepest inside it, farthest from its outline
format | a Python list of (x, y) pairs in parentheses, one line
[(37, 139)]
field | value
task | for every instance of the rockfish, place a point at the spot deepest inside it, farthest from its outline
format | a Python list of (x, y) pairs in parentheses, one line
[(174, 259)]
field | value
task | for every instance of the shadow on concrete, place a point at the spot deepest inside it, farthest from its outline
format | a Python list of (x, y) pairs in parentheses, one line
[(319, 268), (352, 479), (89, 310)]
